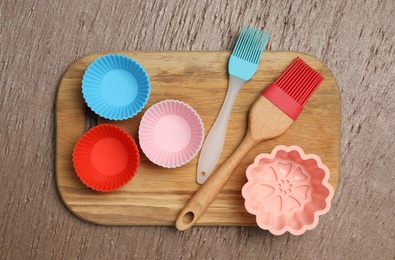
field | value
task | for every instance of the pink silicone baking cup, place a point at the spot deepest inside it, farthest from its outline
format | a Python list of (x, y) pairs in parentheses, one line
[(287, 190), (171, 133), (106, 158)]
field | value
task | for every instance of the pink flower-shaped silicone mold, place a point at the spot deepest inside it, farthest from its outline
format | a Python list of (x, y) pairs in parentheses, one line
[(287, 190)]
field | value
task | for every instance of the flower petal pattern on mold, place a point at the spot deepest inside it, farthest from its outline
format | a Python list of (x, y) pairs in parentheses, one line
[(283, 188)]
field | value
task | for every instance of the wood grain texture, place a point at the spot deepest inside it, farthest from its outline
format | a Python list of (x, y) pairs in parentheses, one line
[(39, 40), (156, 195)]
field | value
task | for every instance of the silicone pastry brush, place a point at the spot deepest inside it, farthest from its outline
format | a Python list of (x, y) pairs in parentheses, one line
[(242, 65), (270, 116)]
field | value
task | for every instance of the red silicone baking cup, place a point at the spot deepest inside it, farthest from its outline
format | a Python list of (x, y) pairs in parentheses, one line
[(106, 158)]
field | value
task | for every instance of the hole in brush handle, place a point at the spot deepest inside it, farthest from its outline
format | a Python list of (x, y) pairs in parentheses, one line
[(188, 218), (189, 215), (185, 220)]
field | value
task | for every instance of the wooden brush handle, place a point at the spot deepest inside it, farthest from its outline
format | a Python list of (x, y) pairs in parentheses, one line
[(266, 121), (198, 204)]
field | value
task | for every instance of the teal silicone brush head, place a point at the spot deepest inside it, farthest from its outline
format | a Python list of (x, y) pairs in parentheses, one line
[(247, 53)]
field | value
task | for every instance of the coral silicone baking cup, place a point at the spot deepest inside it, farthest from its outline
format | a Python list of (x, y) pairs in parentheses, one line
[(287, 190), (116, 87), (106, 158), (171, 133)]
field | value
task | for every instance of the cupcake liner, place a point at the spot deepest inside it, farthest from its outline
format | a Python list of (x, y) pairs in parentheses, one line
[(171, 133), (106, 158), (116, 87)]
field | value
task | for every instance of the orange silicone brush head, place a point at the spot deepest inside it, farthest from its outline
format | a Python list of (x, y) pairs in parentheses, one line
[(294, 87)]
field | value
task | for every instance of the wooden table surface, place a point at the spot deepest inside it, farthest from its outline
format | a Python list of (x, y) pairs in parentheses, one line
[(39, 39)]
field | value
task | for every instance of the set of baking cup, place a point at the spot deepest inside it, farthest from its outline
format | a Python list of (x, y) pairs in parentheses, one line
[(115, 87), (106, 157)]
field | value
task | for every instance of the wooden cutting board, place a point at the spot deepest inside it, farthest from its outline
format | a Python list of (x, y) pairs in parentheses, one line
[(156, 195)]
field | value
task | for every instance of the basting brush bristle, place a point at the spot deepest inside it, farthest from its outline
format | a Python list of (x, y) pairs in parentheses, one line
[(251, 44), (299, 81), (294, 87), (247, 53)]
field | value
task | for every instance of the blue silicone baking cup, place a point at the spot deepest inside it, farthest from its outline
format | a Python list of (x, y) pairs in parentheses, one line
[(116, 87)]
